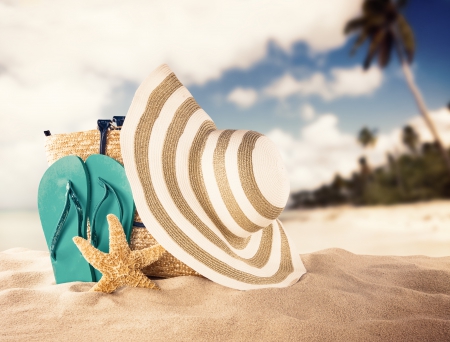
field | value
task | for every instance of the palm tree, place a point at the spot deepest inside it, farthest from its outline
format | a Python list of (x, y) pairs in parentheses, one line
[(365, 169), (395, 168), (410, 138), (367, 137), (387, 29)]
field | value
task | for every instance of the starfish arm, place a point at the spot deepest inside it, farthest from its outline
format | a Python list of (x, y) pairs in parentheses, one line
[(138, 279), (120, 266), (144, 257), (93, 256), (117, 238), (105, 285)]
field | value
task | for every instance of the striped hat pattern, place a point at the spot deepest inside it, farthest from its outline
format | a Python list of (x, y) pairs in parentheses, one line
[(210, 197)]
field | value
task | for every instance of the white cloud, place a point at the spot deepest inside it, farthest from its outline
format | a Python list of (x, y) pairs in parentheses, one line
[(283, 87), (355, 82), (243, 97), (60, 60), (199, 39), (321, 150), (307, 112), (441, 120), (23, 165), (350, 82), (318, 153)]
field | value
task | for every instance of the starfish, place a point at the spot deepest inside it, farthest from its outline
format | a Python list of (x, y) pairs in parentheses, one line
[(120, 266)]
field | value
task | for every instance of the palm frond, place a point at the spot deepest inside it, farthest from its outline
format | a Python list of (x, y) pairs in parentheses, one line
[(354, 24), (371, 7), (375, 21), (382, 24), (368, 60), (373, 48), (385, 49), (406, 37), (401, 3), (362, 37)]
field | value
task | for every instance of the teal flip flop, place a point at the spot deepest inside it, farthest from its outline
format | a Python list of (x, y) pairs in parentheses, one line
[(63, 201), (110, 194)]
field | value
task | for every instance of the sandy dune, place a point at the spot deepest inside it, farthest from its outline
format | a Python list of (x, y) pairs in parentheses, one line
[(343, 297)]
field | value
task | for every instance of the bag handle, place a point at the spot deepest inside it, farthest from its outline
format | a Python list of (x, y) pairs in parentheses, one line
[(104, 126), (118, 120)]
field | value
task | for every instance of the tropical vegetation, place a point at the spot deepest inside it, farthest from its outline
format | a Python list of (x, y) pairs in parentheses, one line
[(385, 28), (418, 174)]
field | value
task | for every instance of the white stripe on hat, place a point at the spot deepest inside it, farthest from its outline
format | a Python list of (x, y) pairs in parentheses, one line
[(268, 164), (231, 165)]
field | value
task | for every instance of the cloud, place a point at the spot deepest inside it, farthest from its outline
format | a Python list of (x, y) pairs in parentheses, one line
[(441, 120), (351, 82), (318, 153), (322, 149), (243, 97), (283, 87), (200, 39), (22, 167), (61, 61), (307, 112)]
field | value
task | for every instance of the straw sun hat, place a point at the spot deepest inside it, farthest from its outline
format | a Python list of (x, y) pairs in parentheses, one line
[(210, 197)]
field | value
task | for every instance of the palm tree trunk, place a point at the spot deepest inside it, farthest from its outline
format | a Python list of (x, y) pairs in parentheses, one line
[(419, 99), (423, 110)]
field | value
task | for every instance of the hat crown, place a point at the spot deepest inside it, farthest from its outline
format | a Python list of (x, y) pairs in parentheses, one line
[(245, 179), (270, 172)]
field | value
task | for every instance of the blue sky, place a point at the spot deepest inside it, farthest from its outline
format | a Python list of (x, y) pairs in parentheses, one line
[(388, 107), (278, 67)]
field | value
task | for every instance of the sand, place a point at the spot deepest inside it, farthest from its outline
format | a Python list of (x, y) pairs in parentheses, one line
[(403, 229), (343, 297), (366, 296)]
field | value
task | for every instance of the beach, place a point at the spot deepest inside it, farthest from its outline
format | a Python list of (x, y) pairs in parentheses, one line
[(403, 229), (192, 129), (343, 297), (373, 274)]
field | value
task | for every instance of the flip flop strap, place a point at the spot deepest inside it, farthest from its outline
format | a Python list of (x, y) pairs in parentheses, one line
[(70, 195), (108, 188)]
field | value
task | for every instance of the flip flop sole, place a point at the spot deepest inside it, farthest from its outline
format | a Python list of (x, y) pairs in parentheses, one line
[(103, 169), (68, 265)]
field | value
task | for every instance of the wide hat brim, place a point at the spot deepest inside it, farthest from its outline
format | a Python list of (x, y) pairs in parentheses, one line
[(163, 147)]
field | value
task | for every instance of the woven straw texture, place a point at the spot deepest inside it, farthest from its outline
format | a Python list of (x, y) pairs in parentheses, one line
[(84, 144)]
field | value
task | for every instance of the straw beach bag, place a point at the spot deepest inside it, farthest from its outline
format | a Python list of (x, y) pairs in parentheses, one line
[(106, 140)]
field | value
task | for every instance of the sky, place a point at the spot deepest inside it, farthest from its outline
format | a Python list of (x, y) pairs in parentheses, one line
[(281, 68)]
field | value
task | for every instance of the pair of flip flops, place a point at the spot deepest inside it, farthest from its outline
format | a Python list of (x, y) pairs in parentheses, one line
[(71, 192)]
